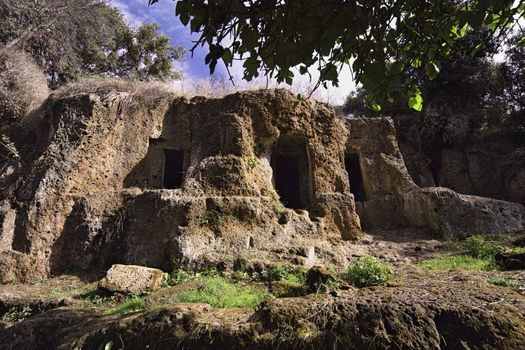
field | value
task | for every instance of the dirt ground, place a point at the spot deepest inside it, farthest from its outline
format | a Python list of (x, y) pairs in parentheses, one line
[(417, 309)]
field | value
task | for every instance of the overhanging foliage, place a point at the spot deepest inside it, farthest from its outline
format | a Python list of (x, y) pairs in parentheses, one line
[(379, 39)]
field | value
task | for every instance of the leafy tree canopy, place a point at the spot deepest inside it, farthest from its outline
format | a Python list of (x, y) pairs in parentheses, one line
[(514, 75), (71, 38), (379, 39), (472, 96)]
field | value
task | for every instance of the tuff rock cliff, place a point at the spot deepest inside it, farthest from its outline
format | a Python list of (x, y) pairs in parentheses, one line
[(120, 174)]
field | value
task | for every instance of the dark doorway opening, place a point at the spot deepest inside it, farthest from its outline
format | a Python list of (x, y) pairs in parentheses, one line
[(353, 168), (292, 172), (287, 180), (173, 168)]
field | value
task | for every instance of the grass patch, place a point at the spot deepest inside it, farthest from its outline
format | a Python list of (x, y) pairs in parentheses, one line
[(515, 250), (288, 274), (93, 298), (284, 281), (477, 254), (178, 277), (368, 271), (129, 305), (503, 282), (461, 262), (71, 293), (17, 314), (181, 276), (224, 293)]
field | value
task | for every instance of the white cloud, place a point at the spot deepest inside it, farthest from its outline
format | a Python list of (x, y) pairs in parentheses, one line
[(303, 84), (132, 19)]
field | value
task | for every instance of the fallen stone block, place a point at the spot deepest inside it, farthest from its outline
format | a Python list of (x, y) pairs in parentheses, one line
[(131, 279)]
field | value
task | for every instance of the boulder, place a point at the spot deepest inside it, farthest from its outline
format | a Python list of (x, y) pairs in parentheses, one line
[(131, 279), (511, 261), (317, 276), (519, 242)]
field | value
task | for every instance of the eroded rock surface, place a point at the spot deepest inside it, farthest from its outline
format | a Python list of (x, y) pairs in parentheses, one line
[(449, 311), (392, 200)]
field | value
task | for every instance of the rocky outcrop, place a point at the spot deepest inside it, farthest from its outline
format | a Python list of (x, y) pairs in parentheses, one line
[(510, 261), (455, 215), (490, 165), (130, 174), (391, 198), (478, 169), (93, 190)]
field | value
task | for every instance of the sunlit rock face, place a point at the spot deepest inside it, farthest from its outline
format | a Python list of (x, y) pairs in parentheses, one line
[(127, 175)]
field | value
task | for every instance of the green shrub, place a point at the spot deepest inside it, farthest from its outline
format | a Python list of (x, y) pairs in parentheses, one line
[(17, 314), (478, 247), (240, 276), (285, 281), (178, 277), (368, 271), (283, 273), (224, 293), (23, 85), (279, 207), (252, 164)]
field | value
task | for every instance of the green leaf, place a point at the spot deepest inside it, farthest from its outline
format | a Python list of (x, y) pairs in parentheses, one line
[(289, 77), (521, 42), (415, 100), (432, 69), (476, 19), (415, 63), (494, 21), (181, 10), (227, 57), (459, 32), (251, 66), (396, 67), (376, 107), (329, 73), (249, 38), (476, 50)]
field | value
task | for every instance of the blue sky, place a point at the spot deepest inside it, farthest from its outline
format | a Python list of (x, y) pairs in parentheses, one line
[(163, 12), (194, 69)]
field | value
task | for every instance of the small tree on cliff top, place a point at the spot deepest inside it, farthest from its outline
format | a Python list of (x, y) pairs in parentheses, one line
[(71, 38)]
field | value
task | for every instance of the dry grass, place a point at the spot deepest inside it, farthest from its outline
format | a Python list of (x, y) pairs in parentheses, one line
[(148, 93), (212, 87), (219, 86), (23, 85), (106, 86)]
